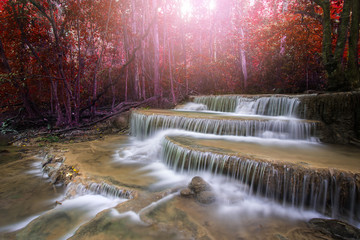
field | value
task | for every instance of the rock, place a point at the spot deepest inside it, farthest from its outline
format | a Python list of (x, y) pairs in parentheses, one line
[(4, 151), (198, 185), (206, 197), (335, 228), (58, 159), (186, 193), (199, 189), (47, 159)]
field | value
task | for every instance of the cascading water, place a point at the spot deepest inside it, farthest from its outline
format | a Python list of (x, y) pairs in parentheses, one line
[(269, 106), (254, 105), (218, 103), (143, 125), (104, 189), (253, 154), (329, 192), (332, 193)]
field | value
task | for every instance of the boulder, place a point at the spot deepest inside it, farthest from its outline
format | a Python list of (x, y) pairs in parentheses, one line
[(336, 229), (186, 192), (198, 185), (200, 190)]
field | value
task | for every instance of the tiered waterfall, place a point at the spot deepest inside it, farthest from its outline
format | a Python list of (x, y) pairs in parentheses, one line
[(262, 142)]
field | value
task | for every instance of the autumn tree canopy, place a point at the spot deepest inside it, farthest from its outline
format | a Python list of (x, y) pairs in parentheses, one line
[(69, 59)]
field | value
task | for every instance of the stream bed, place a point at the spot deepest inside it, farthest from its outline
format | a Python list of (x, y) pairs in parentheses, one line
[(32, 208)]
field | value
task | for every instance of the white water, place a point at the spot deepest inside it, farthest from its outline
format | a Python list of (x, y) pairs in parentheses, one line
[(235, 200), (271, 106), (193, 107), (85, 207), (77, 210), (233, 197), (143, 125), (254, 105)]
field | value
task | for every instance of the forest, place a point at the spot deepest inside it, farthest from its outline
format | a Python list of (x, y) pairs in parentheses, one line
[(66, 61)]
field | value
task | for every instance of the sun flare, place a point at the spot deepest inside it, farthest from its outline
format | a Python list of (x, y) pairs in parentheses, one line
[(187, 7)]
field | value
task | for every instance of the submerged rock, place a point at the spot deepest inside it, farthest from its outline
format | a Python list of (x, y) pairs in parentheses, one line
[(336, 229)]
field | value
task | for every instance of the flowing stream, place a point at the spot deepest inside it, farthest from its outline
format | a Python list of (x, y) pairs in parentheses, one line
[(266, 166)]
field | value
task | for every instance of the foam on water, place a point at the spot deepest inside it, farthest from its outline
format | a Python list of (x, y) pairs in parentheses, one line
[(193, 107), (233, 196), (131, 215), (165, 176), (36, 169), (235, 202), (88, 206)]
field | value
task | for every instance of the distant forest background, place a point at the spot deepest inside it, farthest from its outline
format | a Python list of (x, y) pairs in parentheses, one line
[(67, 60)]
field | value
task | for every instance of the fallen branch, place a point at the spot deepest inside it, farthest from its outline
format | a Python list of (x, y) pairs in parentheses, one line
[(120, 108)]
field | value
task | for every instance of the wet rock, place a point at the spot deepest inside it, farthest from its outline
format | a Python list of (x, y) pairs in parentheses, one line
[(206, 197), (58, 159), (58, 172), (335, 228), (200, 190), (187, 193), (340, 112), (198, 185), (47, 159)]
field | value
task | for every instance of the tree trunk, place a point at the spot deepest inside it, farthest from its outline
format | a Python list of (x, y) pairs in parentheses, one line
[(79, 74), (143, 52), (243, 60), (127, 54), (136, 62), (339, 76), (59, 116), (157, 89), (4, 58), (112, 91), (183, 41), (98, 63), (353, 62), (171, 75)]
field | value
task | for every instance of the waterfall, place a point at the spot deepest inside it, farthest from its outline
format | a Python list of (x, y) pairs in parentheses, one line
[(143, 125), (330, 192), (269, 106), (226, 103), (256, 105), (103, 189)]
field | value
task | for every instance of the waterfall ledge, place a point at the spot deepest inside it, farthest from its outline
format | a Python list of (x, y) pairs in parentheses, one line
[(331, 191)]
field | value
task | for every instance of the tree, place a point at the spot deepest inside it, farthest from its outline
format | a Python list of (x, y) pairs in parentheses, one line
[(341, 64)]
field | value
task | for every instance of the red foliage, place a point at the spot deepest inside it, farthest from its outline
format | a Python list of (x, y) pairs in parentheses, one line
[(60, 52)]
